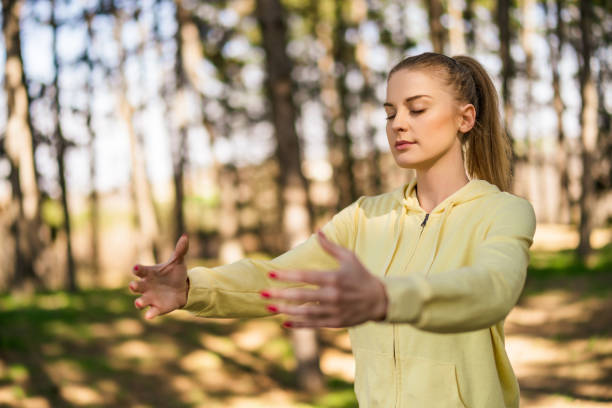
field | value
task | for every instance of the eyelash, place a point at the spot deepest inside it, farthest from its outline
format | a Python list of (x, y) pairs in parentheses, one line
[(415, 112)]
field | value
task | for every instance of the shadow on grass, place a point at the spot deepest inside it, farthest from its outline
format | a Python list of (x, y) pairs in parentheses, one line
[(93, 348)]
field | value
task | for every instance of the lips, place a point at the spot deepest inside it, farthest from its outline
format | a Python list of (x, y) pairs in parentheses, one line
[(403, 144)]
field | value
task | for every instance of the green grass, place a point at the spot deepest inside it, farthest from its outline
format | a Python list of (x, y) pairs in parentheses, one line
[(51, 340), (547, 264)]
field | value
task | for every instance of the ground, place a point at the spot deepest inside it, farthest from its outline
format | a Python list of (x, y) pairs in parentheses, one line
[(94, 349)]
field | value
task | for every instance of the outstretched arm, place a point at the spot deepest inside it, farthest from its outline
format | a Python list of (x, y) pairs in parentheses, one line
[(234, 290)]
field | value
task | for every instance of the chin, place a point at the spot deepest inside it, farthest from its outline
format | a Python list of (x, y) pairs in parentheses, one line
[(403, 163)]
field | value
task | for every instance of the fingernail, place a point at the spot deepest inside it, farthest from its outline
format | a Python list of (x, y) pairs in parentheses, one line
[(272, 308), (136, 267), (265, 294), (287, 324), (132, 286), (138, 304), (272, 275)]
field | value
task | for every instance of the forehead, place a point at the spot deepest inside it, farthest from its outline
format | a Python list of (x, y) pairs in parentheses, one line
[(406, 83)]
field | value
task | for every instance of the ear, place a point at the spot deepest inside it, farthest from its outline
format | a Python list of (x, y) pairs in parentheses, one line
[(467, 118)]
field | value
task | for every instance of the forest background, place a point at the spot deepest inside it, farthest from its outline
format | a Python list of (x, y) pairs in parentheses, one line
[(247, 124)]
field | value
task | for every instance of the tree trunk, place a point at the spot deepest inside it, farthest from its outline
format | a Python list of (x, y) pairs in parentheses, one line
[(503, 23), (343, 55), (437, 32), (588, 132), (179, 145), (556, 48), (94, 202), (192, 55), (24, 211), (148, 246), (61, 146), (457, 28), (470, 23), (296, 214), (537, 192)]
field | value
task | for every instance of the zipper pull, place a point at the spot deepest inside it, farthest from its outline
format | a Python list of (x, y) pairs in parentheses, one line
[(425, 220)]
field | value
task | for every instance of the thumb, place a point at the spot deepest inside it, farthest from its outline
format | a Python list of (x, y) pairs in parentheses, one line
[(331, 248), (182, 246)]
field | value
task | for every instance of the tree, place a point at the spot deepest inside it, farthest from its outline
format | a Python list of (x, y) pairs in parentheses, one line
[(24, 210), (148, 226), (589, 129), (437, 32), (296, 214), (508, 70), (456, 31), (556, 40)]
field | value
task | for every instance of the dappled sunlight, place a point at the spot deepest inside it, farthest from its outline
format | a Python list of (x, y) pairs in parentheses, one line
[(338, 364), (132, 349), (559, 343), (201, 360), (66, 370), (79, 395), (557, 337), (102, 330), (128, 327), (252, 335), (35, 402), (53, 302)]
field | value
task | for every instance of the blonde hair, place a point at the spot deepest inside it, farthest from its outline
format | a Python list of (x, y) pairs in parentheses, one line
[(488, 151)]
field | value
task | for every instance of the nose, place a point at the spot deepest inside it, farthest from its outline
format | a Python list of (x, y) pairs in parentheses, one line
[(399, 123)]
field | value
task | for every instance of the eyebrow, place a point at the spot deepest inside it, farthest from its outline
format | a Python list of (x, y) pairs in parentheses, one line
[(407, 99)]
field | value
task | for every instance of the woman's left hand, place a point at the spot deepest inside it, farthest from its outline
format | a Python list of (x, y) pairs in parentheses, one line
[(347, 296)]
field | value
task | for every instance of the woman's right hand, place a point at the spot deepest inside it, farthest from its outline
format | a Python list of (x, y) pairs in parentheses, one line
[(164, 286)]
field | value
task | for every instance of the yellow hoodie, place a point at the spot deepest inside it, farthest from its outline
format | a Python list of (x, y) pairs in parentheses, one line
[(451, 278)]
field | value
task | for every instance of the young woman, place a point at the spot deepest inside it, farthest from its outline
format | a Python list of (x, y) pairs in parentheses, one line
[(423, 276)]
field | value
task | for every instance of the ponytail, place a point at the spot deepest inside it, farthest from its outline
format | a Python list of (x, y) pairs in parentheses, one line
[(488, 152)]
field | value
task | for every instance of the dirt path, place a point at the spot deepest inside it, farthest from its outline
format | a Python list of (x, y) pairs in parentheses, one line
[(560, 344)]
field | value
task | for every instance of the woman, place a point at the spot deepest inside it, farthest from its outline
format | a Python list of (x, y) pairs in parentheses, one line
[(423, 276)]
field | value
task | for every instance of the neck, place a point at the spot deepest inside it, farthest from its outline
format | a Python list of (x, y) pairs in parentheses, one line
[(436, 184)]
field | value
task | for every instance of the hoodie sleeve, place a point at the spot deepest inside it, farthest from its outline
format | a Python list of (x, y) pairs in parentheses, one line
[(471, 297), (233, 290)]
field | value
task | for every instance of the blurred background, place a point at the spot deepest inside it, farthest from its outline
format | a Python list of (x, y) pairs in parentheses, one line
[(248, 124)]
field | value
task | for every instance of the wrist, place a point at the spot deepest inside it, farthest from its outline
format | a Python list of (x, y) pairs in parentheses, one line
[(381, 305), (186, 293)]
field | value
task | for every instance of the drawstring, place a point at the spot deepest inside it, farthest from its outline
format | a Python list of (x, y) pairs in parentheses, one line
[(398, 235), (434, 251)]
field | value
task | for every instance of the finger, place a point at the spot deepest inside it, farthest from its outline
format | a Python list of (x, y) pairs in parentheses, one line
[(315, 277), (313, 323), (142, 302), (308, 311), (141, 270), (153, 311), (182, 246), (139, 286), (326, 294), (331, 248)]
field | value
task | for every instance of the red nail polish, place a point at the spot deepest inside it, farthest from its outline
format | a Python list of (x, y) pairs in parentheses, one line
[(136, 267), (265, 294), (272, 275), (287, 324), (272, 308)]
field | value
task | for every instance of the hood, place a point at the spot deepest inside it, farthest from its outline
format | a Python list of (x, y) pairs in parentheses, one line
[(474, 189), (407, 199)]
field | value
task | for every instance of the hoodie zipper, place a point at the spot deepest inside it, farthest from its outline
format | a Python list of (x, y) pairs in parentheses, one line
[(395, 345)]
